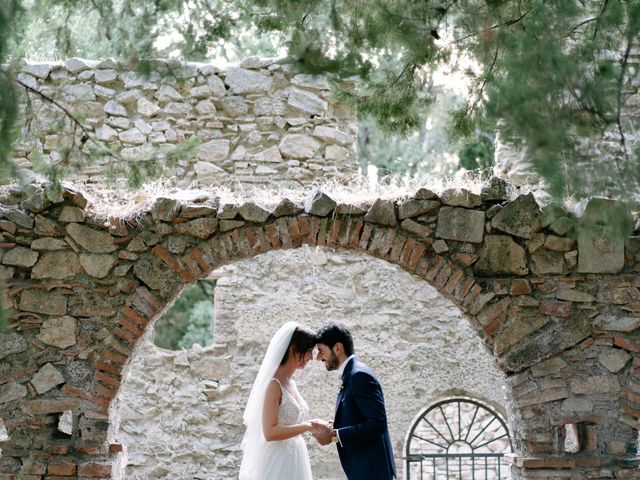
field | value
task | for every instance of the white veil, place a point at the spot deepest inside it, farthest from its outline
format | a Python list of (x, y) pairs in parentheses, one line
[(253, 442)]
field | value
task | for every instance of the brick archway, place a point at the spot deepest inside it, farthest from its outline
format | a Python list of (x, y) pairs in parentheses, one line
[(567, 340)]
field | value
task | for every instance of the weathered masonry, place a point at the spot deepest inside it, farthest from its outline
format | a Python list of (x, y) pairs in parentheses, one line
[(555, 299), (256, 123)]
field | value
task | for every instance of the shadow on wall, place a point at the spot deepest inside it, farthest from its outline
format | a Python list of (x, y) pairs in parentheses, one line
[(181, 411)]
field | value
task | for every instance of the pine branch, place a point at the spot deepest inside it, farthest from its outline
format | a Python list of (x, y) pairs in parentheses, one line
[(484, 82), (581, 24), (77, 123), (508, 23), (602, 10)]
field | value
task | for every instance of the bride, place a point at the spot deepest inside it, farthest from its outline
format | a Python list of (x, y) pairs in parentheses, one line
[(273, 447)]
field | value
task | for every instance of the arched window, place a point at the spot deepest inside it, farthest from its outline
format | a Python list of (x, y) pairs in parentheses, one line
[(458, 438)]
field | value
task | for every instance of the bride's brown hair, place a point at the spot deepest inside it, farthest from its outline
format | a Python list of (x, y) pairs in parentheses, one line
[(302, 340)]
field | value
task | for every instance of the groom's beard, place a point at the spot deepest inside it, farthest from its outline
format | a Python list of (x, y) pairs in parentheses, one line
[(333, 362)]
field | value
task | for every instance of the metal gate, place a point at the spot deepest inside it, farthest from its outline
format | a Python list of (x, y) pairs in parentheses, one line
[(458, 439)]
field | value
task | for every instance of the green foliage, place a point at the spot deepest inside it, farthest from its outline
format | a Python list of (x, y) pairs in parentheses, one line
[(551, 73), (135, 30), (189, 320), (10, 10), (477, 155), (434, 148), (199, 326)]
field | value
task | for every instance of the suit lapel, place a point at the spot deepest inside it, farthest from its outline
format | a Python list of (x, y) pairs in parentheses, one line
[(338, 398), (345, 380)]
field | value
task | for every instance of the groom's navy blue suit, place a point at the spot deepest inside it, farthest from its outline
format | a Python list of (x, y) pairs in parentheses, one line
[(361, 421)]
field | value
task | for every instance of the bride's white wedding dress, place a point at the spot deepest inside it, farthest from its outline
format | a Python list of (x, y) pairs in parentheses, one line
[(284, 459), (287, 459)]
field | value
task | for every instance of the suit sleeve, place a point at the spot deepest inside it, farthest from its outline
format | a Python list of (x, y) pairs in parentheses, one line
[(367, 394)]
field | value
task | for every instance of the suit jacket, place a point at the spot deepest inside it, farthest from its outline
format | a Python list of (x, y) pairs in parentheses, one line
[(361, 420)]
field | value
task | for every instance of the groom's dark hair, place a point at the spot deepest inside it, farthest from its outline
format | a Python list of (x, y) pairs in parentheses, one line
[(333, 333)]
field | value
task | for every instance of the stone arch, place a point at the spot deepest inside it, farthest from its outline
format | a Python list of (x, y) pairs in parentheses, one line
[(416, 340), (570, 352)]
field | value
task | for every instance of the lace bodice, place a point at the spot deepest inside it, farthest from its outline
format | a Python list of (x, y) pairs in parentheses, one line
[(291, 412), (285, 459)]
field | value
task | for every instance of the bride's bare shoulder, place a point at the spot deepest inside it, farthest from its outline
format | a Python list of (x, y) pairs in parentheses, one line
[(274, 392)]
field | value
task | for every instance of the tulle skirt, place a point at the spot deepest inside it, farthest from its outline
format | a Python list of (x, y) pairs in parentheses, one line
[(285, 460)]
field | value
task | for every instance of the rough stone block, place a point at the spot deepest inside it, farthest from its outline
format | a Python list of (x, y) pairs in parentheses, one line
[(544, 262), (12, 343), (319, 203), (577, 405), (494, 190), (71, 215), (601, 234), (18, 216), (92, 240), (242, 81), (332, 135), (617, 323), (414, 208), (455, 197), (12, 391), (201, 228), (548, 367), (614, 360), (460, 224), (58, 332), (214, 151), (294, 145), (47, 378), (154, 273), (97, 265), (521, 217), (501, 255), (589, 385), (571, 295), (40, 301), (253, 213), (307, 102), (559, 244), (59, 264), (416, 228), (382, 212), (20, 257), (518, 328)]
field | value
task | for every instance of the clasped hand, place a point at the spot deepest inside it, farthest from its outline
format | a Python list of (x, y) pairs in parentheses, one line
[(322, 431)]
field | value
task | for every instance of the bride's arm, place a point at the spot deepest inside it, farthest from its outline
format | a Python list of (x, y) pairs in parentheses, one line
[(272, 431)]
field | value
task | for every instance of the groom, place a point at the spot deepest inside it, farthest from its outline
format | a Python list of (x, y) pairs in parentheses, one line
[(360, 424)]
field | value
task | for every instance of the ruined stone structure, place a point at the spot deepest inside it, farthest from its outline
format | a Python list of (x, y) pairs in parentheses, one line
[(257, 123), (554, 298), (180, 413)]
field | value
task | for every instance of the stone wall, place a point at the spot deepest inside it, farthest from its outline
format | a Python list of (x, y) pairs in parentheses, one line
[(181, 412), (257, 123), (554, 298)]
